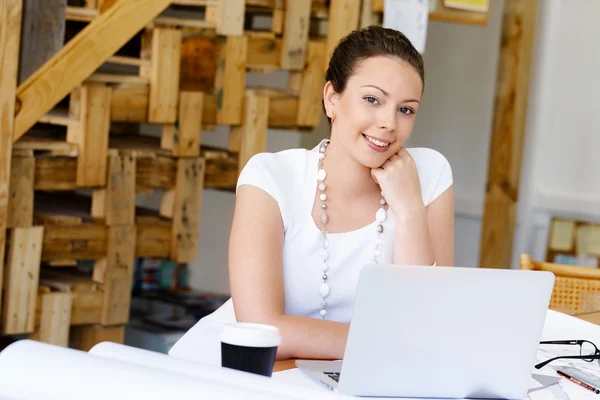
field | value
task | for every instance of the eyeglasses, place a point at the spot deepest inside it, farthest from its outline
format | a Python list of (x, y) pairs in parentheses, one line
[(587, 351)]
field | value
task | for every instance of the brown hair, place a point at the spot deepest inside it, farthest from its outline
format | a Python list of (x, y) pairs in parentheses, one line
[(369, 42)]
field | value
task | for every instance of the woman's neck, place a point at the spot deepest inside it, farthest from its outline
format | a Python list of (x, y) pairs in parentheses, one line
[(346, 175)]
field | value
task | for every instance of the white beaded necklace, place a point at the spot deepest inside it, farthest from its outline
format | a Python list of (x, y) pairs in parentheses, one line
[(380, 216)]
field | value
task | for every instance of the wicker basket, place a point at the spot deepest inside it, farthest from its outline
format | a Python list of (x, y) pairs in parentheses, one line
[(576, 289)]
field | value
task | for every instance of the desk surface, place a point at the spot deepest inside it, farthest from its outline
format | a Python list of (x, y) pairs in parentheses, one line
[(283, 365)]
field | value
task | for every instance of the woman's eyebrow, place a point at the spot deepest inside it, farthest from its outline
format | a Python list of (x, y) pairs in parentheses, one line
[(387, 94)]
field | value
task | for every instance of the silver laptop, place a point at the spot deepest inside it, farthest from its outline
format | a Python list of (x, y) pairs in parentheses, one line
[(440, 332)]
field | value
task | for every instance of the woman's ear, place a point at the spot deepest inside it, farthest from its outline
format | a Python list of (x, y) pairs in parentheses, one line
[(329, 98)]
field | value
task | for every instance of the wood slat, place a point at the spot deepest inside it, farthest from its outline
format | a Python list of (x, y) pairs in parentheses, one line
[(153, 237), (295, 35), (10, 31), (310, 106), (80, 57), (251, 137), (346, 14), (20, 202), (164, 78), (129, 102), (55, 319), (85, 337), (87, 241), (187, 209), (120, 190), (184, 138), (510, 109), (91, 133), (21, 280), (230, 80)]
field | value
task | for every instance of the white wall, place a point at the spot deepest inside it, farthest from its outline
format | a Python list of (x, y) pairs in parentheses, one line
[(560, 171)]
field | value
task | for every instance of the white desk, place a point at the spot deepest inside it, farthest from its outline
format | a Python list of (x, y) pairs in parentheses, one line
[(557, 327)]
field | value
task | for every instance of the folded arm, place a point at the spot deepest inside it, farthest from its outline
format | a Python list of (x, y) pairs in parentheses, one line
[(256, 279)]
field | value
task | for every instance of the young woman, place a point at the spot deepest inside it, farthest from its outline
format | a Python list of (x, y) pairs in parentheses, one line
[(307, 221)]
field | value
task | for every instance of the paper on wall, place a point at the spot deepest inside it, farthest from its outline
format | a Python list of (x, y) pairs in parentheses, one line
[(409, 17), (469, 5), (562, 234)]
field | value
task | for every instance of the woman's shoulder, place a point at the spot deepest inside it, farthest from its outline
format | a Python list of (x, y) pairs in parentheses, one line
[(282, 175), (281, 166), (435, 172)]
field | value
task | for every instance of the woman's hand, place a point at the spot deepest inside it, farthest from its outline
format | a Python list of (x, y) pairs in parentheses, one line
[(399, 182)]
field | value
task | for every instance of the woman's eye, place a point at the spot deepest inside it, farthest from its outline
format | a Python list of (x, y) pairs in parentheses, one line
[(371, 99), (406, 110)]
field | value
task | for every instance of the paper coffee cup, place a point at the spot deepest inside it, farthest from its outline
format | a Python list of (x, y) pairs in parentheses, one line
[(249, 347)]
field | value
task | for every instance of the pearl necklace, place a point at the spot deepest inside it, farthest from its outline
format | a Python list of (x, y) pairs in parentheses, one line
[(380, 217)]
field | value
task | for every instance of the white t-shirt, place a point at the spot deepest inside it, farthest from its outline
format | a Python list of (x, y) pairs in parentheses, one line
[(289, 177)]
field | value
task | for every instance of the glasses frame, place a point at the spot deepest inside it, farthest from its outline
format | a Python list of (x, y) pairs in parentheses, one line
[(588, 358)]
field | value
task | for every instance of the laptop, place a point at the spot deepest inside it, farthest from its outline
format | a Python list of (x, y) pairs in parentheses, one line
[(440, 332)]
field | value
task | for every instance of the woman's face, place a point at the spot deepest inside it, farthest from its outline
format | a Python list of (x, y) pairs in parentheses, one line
[(376, 112)]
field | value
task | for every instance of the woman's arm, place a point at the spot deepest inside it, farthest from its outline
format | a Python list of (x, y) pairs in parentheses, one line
[(256, 279), (427, 234)]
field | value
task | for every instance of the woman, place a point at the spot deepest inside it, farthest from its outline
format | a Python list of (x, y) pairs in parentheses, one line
[(307, 221)]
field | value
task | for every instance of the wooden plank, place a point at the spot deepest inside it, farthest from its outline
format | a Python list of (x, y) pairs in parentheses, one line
[(164, 79), (20, 201), (55, 173), (278, 20), (117, 301), (80, 57), (54, 146), (263, 52), (99, 204), (153, 237), (86, 241), (188, 133), (367, 15), (42, 34), (343, 19), (10, 31), (251, 137), (230, 80), (86, 296), (55, 319), (115, 273), (512, 90), (309, 103), (283, 111), (295, 35), (188, 204), (85, 337), (157, 173), (227, 16), (118, 263), (129, 102), (105, 5), (198, 64), (91, 134), (167, 204), (120, 190), (21, 280)]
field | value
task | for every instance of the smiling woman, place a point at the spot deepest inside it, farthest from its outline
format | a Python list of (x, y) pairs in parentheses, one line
[(307, 221)]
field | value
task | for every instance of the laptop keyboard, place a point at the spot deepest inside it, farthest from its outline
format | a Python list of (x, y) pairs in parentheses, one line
[(333, 375)]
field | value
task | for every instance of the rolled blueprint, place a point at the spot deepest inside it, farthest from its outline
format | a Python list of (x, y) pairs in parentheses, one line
[(238, 379), (38, 371)]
